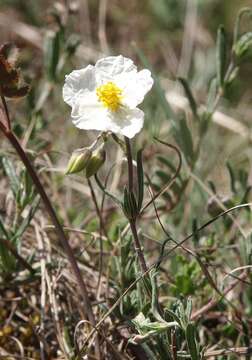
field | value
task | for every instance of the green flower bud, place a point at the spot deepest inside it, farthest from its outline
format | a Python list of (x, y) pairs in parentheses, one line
[(129, 204), (96, 161), (78, 161), (243, 46)]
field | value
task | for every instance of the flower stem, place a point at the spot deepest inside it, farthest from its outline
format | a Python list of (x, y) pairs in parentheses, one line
[(132, 222), (62, 237)]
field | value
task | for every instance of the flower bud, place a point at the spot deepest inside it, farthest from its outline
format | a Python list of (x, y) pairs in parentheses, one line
[(129, 204), (96, 161), (78, 161)]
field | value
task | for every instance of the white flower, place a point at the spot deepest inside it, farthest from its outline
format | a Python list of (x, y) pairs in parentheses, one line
[(105, 96)]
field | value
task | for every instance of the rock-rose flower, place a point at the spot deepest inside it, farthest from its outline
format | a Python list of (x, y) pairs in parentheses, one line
[(105, 96)]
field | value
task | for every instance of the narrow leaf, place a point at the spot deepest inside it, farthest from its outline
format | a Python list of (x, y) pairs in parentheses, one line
[(191, 341), (232, 177), (211, 96), (52, 52), (169, 113), (189, 96), (10, 172), (3, 230), (184, 139), (28, 218), (221, 55)]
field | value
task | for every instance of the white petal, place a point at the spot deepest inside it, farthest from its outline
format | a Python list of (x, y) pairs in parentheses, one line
[(89, 114), (77, 82), (134, 86), (127, 122), (112, 66)]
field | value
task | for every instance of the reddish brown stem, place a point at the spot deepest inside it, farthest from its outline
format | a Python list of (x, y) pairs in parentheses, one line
[(6, 111), (62, 237), (137, 244)]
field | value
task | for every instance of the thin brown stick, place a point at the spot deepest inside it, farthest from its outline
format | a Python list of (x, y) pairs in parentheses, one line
[(213, 302), (235, 351)]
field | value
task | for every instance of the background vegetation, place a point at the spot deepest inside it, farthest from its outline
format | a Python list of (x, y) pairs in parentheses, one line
[(201, 105)]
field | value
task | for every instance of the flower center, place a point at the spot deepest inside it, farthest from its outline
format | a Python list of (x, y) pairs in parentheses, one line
[(110, 95)]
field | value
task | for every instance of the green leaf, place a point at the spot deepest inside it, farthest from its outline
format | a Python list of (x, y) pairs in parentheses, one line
[(189, 96), (67, 341), (146, 327), (52, 53), (140, 179), (10, 172), (164, 177), (212, 96), (188, 310), (184, 139), (232, 177), (3, 230), (166, 162), (191, 341), (174, 316), (195, 232), (221, 55), (21, 229), (7, 260), (169, 113)]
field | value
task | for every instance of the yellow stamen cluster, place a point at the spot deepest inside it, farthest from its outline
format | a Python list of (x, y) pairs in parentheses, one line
[(110, 95)]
